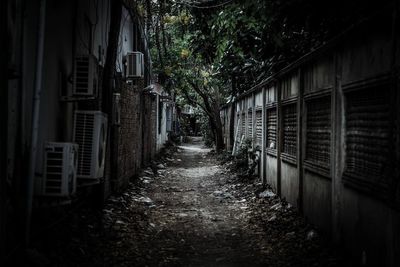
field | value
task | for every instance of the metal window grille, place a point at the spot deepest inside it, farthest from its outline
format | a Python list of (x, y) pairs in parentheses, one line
[(289, 126), (272, 126), (318, 130), (368, 134), (259, 127), (243, 126), (237, 126), (250, 124)]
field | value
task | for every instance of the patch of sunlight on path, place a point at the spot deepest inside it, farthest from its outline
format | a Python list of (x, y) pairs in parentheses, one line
[(194, 148), (197, 172)]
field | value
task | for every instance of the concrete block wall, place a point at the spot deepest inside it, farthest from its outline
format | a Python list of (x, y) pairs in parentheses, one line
[(335, 116)]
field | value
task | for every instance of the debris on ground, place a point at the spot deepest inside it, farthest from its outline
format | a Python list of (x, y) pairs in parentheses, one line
[(190, 212), (267, 194), (312, 234)]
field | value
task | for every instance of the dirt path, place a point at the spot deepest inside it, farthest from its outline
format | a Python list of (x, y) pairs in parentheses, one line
[(194, 213), (189, 211), (205, 224)]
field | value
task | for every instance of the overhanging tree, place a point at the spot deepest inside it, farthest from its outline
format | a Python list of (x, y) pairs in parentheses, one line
[(238, 43)]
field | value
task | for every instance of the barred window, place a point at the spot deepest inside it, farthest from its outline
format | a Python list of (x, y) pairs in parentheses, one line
[(250, 124), (318, 131), (237, 126), (272, 125), (243, 126), (289, 126), (368, 122), (259, 126)]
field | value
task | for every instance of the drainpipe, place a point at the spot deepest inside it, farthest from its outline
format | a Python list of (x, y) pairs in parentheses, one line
[(35, 117)]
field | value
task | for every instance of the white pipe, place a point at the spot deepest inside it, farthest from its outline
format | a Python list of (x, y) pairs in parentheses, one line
[(35, 117)]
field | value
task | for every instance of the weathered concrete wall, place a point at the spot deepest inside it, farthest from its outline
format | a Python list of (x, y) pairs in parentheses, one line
[(289, 183), (56, 117), (317, 205), (271, 172), (366, 213), (370, 229), (345, 100), (258, 99)]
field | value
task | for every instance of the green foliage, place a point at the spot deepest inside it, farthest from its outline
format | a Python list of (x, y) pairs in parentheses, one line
[(206, 132), (248, 40), (247, 159), (210, 51), (243, 41), (242, 156)]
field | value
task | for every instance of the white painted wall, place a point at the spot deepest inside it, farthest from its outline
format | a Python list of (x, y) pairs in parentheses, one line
[(126, 39), (97, 14), (162, 136), (259, 99), (56, 117)]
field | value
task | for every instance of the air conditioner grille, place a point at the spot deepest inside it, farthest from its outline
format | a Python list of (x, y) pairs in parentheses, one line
[(84, 138), (135, 68), (82, 75), (54, 171)]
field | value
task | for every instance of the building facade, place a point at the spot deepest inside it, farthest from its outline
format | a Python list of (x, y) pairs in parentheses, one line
[(61, 141)]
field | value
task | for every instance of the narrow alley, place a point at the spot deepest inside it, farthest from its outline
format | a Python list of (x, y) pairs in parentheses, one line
[(200, 133), (193, 212)]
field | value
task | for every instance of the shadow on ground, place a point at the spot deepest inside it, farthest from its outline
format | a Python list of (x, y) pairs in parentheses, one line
[(190, 212)]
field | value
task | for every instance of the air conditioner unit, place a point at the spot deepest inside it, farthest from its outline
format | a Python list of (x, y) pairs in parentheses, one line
[(135, 65), (116, 116), (90, 133), (85, 76), (60, 166)]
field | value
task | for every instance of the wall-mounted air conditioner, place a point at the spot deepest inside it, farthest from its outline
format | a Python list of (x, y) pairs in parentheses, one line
[(90, 133), (85, 76), (134, 65), (60, 166), (116, 115)]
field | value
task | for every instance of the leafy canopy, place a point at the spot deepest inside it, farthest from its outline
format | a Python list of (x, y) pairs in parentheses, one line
[(238, 43)]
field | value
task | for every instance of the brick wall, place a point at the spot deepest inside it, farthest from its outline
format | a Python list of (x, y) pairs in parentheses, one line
[(149, 128), (128, 139), (133, 142)]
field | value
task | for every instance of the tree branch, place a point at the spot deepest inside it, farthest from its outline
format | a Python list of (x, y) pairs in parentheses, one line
[(160, 57), (162, 14), (203, 95), (193, 101)]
